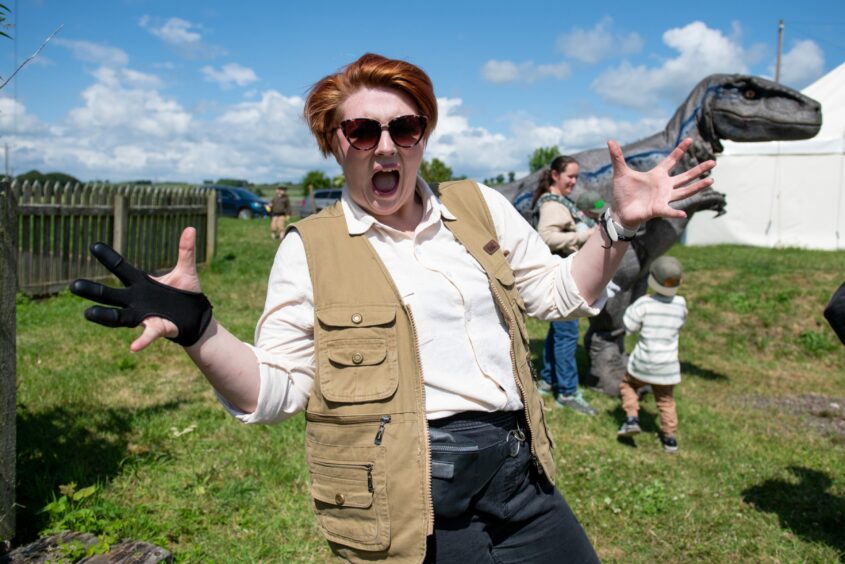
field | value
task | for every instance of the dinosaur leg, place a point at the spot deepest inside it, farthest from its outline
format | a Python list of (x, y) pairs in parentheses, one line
[(605, 340), (607, 361)]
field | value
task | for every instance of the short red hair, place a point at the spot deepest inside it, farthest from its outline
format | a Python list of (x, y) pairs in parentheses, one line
[(370, 71)]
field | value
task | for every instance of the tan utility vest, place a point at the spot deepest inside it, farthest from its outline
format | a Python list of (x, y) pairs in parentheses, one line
[(366, 433)]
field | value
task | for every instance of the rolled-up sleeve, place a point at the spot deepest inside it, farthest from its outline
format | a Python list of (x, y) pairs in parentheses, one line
[(284, 339), (544, 280)]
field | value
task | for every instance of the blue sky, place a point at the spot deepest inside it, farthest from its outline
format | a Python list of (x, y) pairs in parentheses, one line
[(194, 89)]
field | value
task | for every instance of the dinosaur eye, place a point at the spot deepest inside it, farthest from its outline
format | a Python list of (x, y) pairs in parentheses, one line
[(750, 94)]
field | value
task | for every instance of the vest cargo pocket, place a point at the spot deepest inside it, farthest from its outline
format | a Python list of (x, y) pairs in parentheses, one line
[(348, 490), (356, 353)]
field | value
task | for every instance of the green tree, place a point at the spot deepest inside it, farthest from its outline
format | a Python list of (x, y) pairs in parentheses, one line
[(511, 176), (34, 175), (542, 156), (317, 178), (338, 181), (500, 179), (435, 171)]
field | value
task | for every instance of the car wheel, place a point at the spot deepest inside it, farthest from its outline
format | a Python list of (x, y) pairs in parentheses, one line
[(245, 213)]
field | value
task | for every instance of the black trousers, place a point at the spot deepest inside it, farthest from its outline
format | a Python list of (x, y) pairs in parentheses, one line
[(490, 503)]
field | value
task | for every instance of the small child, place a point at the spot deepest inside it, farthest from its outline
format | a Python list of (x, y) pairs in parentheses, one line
[(591, 205), (659, 319)]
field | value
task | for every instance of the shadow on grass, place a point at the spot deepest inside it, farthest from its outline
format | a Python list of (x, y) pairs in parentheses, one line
[(71, 443), (691, 369), (805, 508)]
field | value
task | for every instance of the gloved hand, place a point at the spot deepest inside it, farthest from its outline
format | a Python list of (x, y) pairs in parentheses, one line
[(143, 297)]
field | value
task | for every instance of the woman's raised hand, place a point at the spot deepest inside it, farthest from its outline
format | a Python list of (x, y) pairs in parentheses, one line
[(170, 306), (640, 196)]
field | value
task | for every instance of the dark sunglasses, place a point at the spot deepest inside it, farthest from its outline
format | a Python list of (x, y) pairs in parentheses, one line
[(364, 133)]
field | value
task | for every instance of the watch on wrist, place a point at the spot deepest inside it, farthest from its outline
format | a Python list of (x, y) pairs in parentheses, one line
[(615, 230)]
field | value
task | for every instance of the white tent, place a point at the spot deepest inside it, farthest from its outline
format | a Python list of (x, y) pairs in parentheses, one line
[(784, 193)]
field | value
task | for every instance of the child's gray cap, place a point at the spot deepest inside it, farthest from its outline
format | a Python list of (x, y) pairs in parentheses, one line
[(665, 275), (591, 201)]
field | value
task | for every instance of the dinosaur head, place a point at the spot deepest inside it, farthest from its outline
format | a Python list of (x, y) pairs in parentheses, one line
[(749, 108)]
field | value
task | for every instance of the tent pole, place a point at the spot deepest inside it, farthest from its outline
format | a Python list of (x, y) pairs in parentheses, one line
[(780, 51)]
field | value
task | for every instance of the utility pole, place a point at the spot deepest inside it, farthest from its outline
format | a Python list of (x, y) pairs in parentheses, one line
[(780, 51)]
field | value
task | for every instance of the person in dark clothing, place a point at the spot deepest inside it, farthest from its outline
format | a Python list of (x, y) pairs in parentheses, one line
[(835, 312), (279, 213)]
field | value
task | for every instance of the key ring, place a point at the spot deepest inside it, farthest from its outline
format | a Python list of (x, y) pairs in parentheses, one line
[(520, 438)]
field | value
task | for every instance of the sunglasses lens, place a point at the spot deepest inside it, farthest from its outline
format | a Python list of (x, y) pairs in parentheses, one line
[(406, 131), (363, 134)]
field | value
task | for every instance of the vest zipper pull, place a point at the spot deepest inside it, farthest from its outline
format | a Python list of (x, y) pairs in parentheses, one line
[(385, 419), (370, 478)]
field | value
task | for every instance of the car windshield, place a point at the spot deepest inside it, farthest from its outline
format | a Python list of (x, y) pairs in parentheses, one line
[(246, 194)]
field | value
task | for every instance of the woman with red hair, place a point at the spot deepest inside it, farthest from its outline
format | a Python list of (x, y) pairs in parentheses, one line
[(394, 319)]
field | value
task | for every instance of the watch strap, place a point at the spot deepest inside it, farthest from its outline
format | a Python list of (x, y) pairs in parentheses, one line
[(615, 230)]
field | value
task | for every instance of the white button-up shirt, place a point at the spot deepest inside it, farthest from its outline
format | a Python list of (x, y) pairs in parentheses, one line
[(463, 340)]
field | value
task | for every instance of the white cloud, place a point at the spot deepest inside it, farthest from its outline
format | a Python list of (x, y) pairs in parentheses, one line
[(229, 74), (801, 64), (593, 45), (500, 72), (480, 153), (701, 51), (127, 128), (465, 148), (593, 131), (94, 52), (183, 36), (14, 119), (120, 109), (174, 31)]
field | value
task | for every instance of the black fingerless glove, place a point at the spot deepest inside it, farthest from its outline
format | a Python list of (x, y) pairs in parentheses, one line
[(141, 298)]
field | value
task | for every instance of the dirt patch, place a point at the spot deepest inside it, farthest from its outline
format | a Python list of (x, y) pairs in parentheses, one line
[(824, 414)]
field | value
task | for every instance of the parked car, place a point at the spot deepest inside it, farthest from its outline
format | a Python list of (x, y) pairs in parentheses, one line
[(239, 202), (323, 198)]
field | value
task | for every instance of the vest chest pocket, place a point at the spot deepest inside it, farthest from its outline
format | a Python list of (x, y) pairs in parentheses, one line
[(348, 489), (356, 353)]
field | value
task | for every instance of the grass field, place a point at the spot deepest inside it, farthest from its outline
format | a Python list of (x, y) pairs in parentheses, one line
[(760, 476)]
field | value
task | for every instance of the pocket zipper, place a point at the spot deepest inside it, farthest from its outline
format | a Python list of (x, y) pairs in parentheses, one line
[(351, 420), (453, 448), (385, 419)]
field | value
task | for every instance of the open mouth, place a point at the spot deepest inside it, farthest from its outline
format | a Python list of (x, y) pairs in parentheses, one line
[(385, 182)]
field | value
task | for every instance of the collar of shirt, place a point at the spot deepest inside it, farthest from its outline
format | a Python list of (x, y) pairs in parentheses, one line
[(358, 221)]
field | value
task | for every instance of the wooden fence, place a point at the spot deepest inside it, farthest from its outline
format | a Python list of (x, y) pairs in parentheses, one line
[(8, 388), (58, 223)]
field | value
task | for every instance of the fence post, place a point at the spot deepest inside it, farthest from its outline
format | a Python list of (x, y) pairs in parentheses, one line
[(211, 227), (121, 223), (8, 288)]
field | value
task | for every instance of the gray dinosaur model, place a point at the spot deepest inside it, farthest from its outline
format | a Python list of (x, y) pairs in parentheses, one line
[(735, 107)]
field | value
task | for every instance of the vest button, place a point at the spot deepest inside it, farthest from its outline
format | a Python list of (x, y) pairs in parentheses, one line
[(357, 318), (339, 499), (357, 358)]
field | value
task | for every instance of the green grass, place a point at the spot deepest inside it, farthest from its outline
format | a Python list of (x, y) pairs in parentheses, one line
[(760, 475)]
